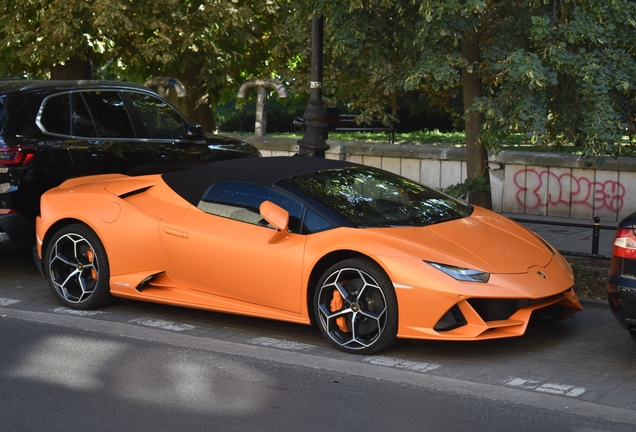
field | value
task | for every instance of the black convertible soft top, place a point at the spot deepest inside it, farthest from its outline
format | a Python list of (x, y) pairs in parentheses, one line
[(192, 183)]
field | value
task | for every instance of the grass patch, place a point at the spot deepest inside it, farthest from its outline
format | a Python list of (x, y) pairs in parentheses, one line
[(590, 277), (418, 137), (456, 139)]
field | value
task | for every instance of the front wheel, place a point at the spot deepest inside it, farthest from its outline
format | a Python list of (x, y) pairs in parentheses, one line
[(76, 268), (356, 307)]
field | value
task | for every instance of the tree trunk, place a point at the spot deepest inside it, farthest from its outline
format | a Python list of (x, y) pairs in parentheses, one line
[(198, 108), (73, 69), (196, 105), (476, 154)]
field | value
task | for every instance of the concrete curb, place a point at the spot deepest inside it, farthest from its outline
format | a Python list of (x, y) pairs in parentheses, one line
[(593, 303)]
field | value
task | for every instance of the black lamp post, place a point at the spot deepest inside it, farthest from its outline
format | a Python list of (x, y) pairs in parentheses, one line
[(313, 141)]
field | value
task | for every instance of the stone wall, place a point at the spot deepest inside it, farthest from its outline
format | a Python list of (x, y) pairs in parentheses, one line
[(522, 182)]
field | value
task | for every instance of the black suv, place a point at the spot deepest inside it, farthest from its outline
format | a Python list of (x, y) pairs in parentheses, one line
[(621, 284), (51, 131)]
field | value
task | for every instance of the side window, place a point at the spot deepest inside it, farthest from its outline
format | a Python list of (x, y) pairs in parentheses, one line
[(109, 114), (241, 201), (315, 223), (56, 115), (159, 118), (82, 122)]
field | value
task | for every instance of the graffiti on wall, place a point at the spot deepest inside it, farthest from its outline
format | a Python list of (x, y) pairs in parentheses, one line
[(566, 189)]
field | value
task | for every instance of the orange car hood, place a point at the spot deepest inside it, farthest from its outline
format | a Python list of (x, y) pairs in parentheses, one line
[(485, 240)]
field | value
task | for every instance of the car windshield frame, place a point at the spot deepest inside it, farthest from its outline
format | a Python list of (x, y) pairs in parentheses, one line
[(367, 197)]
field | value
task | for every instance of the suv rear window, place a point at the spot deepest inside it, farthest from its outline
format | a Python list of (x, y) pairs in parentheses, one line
[(109, 114), (83, 125), (95, 114), (56, 116)]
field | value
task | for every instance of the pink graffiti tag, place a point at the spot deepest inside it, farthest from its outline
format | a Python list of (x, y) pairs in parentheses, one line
[(597, 195)]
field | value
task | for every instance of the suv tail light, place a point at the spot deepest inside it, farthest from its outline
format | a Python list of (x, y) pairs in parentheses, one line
[(16, 156), (625, 243)]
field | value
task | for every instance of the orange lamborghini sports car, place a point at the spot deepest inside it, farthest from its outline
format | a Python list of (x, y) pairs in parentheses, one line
[(367, 255)]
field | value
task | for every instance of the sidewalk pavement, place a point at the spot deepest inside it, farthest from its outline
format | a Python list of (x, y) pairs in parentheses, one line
[(567, 238)]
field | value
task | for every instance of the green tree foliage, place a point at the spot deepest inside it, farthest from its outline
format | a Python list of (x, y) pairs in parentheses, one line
[(560, 70), (382, 49), (36, 35), (555, 70), (208, 45)]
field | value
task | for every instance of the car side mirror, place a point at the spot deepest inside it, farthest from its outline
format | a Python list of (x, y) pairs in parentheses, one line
[(195, 131), (275, 215), (278, 217)]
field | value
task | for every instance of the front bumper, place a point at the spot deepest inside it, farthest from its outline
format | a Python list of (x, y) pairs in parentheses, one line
[(475, 319), (507, 305)]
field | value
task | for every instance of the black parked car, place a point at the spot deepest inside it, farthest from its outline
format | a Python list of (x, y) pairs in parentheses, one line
[(51, 131), (621, 285)]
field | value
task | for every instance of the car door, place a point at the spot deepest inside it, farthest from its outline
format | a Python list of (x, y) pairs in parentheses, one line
[(91, 132), (225, 248), (166, 132), (68, 155), (111, 143)]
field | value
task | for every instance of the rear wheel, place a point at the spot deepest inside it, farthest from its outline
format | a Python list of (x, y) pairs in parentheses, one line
[(76, 267), (356, 307)]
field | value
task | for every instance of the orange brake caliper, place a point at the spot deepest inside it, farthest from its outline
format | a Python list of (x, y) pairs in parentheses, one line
[(337, 303), (89, 255)]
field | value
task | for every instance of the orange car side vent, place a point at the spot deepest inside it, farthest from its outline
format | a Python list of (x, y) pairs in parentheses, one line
[(129, 186), (135, 192), (157, 280)]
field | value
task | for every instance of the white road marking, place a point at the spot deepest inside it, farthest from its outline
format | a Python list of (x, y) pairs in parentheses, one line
[(279, 343), (401, 364), (7, 301), (165, 325), (68, 311), (556, 389)]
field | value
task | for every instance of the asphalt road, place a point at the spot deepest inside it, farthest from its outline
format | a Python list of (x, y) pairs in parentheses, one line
[(150, 365), (56, 376)]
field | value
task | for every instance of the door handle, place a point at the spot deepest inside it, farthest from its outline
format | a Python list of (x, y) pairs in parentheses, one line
[(176, 233)]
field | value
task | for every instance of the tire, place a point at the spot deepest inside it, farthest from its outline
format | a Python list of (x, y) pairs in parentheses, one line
[(76, 268), (356, 307)]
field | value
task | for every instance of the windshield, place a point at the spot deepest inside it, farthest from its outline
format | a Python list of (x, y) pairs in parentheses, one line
[(369, 197)]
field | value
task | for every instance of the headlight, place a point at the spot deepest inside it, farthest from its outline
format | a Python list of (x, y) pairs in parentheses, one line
[(461, 273)]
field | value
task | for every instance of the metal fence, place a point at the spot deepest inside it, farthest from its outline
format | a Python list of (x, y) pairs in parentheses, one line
[(596, 228)]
